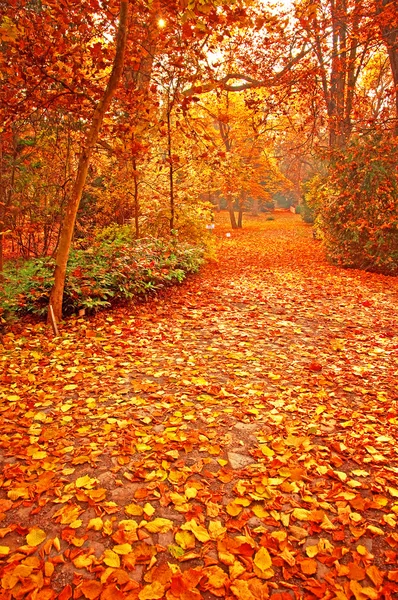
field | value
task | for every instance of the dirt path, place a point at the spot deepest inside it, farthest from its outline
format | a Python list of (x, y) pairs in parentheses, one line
[(235, 438)]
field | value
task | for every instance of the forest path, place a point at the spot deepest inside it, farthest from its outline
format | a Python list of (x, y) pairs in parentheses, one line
[(233, 438)]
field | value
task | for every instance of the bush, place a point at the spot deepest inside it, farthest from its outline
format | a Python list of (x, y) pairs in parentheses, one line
[(359, 215), (113, 269), (315, 193)]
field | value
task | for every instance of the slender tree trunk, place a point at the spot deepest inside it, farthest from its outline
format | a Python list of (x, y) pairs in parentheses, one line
[(72, 207), (230, 204), (242, 201), (240, 218), (171, 170), (136, 199)]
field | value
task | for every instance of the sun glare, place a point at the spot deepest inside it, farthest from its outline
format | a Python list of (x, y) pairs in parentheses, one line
[(161, 23)]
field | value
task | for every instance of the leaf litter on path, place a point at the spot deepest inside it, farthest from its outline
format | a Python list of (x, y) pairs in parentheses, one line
[(233, 438)]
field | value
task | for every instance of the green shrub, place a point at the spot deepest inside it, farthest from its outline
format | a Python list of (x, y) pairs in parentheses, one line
[(113, 269), (359, 215)]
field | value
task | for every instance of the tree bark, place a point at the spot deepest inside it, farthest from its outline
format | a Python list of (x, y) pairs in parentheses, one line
[(388, 22), (136, 200), (171, 168), (72, 206), (231, 211)]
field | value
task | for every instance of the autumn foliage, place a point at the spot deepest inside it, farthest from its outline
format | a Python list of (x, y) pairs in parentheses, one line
[(358, 205)]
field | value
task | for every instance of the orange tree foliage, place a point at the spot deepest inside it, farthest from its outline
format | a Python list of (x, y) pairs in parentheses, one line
[(359, 214)]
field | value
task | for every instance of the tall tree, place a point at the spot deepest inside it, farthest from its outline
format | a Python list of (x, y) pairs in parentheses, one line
[(387, 18), (72, 206)]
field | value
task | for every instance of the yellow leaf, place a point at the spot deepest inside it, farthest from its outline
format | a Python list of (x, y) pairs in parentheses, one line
[(122, 548), (301, 514), (260, 511), (240, 589), (108, 527), (159, 525), (279, 535), (312, 551), (199, 532), (39, 455), (83, 561), (375, 530), (191, 492), (217, 578), (135, 510), (212, 509), (262, 559), (4, 550), (85, 482), (148, 509), (96, 524), (111, 559), (76, 524), (216, 529), (35, 536), (393, 492), (13, 398), (154, 591), (326, 524), (266, 451), (185, 539), (177, 499)]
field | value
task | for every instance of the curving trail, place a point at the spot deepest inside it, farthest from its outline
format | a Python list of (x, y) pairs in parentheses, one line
[(233, 438)]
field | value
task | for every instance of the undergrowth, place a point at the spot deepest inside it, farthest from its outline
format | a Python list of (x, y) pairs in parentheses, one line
[(113, 269)]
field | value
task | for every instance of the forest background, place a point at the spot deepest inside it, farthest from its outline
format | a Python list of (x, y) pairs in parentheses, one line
[(125, 124)]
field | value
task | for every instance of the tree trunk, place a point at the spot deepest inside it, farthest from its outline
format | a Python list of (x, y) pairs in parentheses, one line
[(72, 206), (171, 170), (231, 211), (255, 207), (240, 218), (388, 23), (136, 200)]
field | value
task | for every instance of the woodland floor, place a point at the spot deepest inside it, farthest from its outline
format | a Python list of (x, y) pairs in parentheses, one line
[(233, 438)]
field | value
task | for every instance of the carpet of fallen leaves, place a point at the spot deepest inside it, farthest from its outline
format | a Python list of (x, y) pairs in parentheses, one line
[(232, 438)]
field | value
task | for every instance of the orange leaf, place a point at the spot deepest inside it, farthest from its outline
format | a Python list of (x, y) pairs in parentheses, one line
[(356, 571), (91, 589), (112, 593), (66, 593), (308, 566), (375, 575)]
